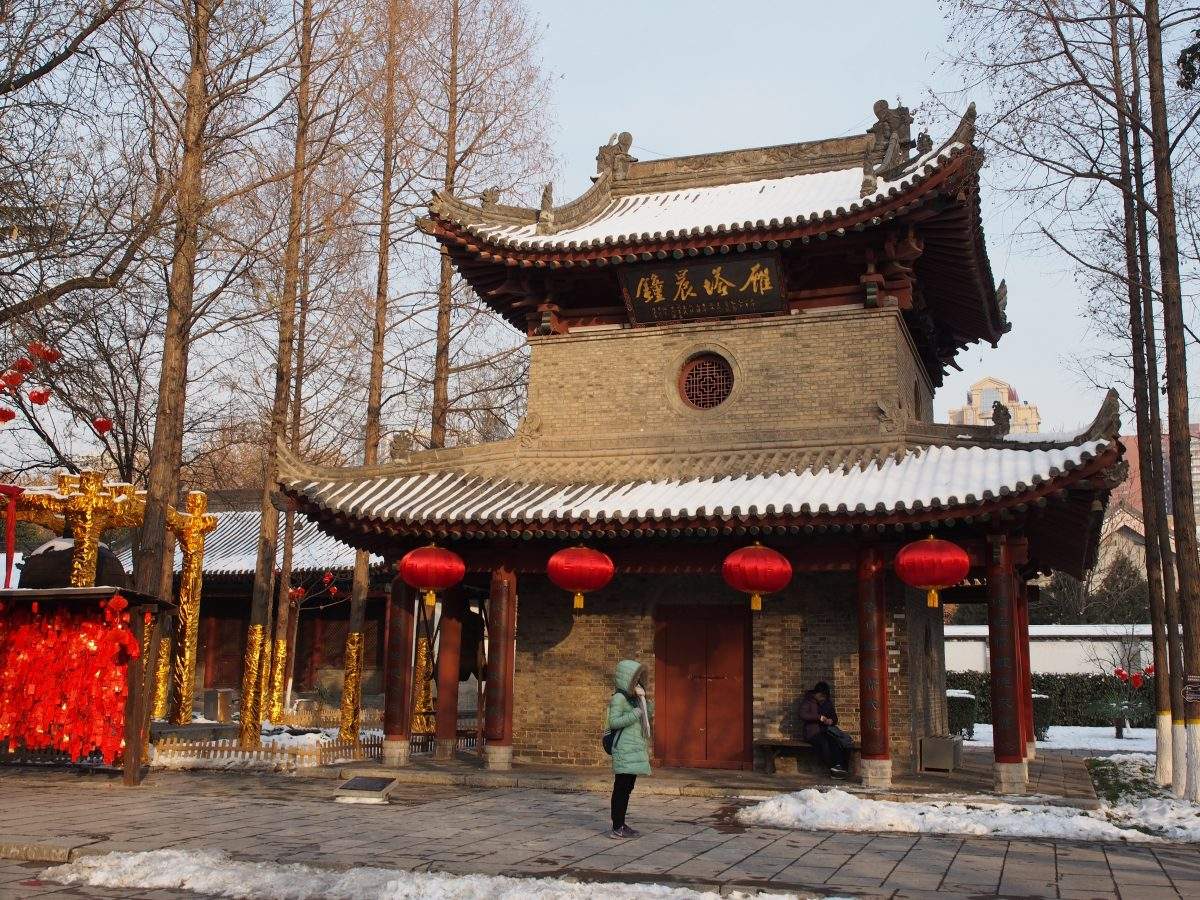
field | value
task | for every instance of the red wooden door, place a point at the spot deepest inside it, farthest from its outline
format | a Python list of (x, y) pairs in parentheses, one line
[(701, 681)]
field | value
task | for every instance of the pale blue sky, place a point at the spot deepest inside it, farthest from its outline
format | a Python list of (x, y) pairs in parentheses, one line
[(689, 76)]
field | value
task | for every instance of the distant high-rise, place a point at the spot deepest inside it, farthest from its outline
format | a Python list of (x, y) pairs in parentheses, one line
[(1025, 418)]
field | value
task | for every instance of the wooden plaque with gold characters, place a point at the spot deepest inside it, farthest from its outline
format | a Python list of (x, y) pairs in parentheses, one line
[(718, 286)]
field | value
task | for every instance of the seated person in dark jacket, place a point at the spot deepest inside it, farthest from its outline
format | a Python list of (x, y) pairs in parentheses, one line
[(816, 715)]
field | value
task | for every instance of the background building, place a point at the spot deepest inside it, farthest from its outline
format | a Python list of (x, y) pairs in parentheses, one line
[(1025, 418)]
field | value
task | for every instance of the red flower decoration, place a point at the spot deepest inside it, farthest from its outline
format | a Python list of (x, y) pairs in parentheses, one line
[(12, 378), (333, 591), (7, 415), (40, 396), (24, 365), (1121, 673), (102, 424), (1137, 680), (44, 352), (327, 578), (1149, 670)]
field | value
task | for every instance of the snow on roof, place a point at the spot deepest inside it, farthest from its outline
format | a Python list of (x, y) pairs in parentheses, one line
[(961, 632), (232, 547), (722, 207), (920, 478)]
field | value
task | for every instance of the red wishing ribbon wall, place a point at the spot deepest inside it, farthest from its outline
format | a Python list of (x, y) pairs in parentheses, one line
[(63, 678)]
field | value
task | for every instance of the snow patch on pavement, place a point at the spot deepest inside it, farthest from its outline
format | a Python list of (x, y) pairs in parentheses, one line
[(215, 873), (1134, 819), (836, 810), (1080, 737)]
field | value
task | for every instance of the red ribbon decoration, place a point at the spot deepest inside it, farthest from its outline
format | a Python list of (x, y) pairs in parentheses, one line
[(12, 492)]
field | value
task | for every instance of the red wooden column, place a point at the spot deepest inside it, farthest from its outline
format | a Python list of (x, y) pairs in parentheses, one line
[(872, 670), (449, 653), (502, 647), (397, 689), (1022, 596), (1009, 768)]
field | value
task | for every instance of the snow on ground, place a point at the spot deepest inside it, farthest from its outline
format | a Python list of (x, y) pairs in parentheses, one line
[(1080, 737), (214, 872), (836, 810), (1135, 817), (1174, 819)]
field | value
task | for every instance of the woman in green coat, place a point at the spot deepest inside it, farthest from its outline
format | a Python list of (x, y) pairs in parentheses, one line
[(629, 719)]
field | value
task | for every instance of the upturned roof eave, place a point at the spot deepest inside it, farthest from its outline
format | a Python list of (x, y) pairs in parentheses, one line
[(866, 213)]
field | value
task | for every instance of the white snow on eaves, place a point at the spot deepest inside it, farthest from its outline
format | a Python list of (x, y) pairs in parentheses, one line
[(930, 477), (792, 198)]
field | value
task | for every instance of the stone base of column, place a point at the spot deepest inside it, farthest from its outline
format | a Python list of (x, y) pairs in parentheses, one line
[(497, 757), (876, 773), (444, 748), (1030, 750), (1010, 778), (395, 752)]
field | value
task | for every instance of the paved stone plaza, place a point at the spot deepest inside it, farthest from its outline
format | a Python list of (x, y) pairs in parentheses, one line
[(54, 816)]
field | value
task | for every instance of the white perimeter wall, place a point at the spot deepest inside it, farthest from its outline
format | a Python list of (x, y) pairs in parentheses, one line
[(1079, 655)]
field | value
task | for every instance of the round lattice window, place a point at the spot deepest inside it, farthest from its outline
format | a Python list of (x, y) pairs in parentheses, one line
[(706, 381)]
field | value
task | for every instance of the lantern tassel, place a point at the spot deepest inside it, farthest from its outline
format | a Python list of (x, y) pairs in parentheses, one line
[(931, 598), (430, 599), (578, 600), (756, 602)]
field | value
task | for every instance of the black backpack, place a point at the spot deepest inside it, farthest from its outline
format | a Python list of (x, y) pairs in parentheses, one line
[(610, 737)]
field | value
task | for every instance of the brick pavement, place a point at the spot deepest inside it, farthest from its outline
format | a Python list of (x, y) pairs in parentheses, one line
[(518, 831)]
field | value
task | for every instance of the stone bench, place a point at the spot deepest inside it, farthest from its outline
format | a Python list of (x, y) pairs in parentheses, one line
[(768, 752)]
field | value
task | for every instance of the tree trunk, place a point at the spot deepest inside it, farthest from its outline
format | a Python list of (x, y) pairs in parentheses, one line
[(1134, 276), (1173, 675), (297, 410), (154, 565), (352, 676), (257, 639), (1187, 563), (441, 364)]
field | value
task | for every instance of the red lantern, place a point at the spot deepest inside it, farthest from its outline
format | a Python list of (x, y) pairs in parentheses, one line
[(12, 378), (580, 569), (930, 565), (24, 365), (102, 424), (1137, 680), (40, 396), (7, 415), (432, 569), (756, 570)]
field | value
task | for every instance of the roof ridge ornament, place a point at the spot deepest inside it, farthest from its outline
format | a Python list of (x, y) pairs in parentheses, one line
[(545, 216), (613, 158)]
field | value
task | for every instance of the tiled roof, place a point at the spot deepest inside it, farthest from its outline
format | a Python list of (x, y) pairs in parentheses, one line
[(922, 478), (717, 209), (232, 547)]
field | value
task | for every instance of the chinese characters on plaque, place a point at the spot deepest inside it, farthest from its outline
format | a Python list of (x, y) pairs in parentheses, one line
[(719, 286)]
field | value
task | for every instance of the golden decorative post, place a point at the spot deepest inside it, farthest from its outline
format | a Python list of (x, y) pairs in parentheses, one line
[(351, 687), (162, 679), (190, 529), (422, 719), (87, 506), (250, 734), (278, 676)]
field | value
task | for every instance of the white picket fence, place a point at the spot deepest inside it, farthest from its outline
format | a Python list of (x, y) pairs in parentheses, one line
[(222, 754)]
